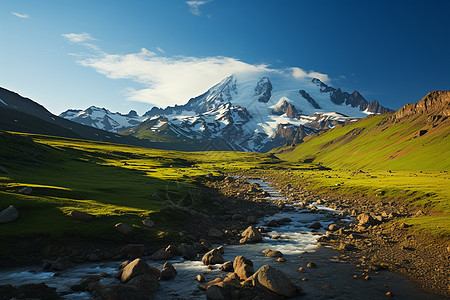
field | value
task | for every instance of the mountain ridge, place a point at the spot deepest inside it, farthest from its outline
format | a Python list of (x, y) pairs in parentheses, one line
[(246, 114)]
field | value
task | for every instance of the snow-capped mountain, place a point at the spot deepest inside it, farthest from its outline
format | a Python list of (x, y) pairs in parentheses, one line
[(240, 114), (258, 115), (103, 119)]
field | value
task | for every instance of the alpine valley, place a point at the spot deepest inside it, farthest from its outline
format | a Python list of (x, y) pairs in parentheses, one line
[(243, 114)]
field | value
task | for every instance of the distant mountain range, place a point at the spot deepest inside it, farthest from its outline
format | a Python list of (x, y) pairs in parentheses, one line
[(244, 115), (21, 114)]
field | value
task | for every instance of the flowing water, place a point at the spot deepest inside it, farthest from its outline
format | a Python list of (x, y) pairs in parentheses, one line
[(332, 279)]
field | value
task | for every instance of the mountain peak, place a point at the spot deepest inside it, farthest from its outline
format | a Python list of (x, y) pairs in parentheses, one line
[(436, 103), (263, 90)]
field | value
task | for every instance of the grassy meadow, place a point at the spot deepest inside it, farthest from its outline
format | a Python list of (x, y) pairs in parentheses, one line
[(120, 183)]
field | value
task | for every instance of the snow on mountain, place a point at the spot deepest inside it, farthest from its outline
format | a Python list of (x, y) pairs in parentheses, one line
[(247, 115), (264, 105), (103, 119)]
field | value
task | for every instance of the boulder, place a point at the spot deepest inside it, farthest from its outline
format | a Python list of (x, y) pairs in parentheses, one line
[(315, 225), (272, 253), (26, 190), (61, 264), (274, 280), (333, 227), (136, 268), (148, 223), (9, 214), (227, 267), (250, 235), (3, 170), (145, 284), (133, 250), (252, 220), (365, 220), (79, 215), (174, 250), (212, 257), (188, 251), (161, 254), (284, 220), (168, 272), (200, 278), (272, 223), (123, 228), (243, 267), (215, 233), (206, 245), (239, 217), (215, 292), (311, 265)]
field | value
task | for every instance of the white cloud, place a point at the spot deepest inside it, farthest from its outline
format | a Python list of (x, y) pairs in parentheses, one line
[(194, 6), (299, 73), (160, 50), (169, 81), (23, 16), (78, 37), (173, 80)]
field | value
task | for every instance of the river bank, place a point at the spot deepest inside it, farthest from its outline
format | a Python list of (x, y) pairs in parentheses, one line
[(379, 239), (239, 203)]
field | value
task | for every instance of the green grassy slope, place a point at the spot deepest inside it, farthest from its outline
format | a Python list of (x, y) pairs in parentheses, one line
[(405, 156), (114, 182), (374, 143)]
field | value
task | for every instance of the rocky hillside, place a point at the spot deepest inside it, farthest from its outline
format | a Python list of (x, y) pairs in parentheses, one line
[(416, 137)]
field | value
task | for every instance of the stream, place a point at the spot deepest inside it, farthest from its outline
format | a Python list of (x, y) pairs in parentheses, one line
[(332, 279)]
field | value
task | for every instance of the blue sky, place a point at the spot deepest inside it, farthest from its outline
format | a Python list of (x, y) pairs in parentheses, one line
[(131, 54)]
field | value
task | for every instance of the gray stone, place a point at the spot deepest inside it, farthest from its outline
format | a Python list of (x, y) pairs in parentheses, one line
[(333, 227), (136, 268), (146, 283), (274, 280), (315, 225), (168, 272), (123, 228), (133, 250), (80, 215), (215, 292), (188, 251), (26, 190), (252, 220), (9, 214), (3, 170), (243, 267), (215, 233), (227, 267), (212, 257), (161, 254), (148, 223), (61, 264), (366, 220), (250, 235)]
